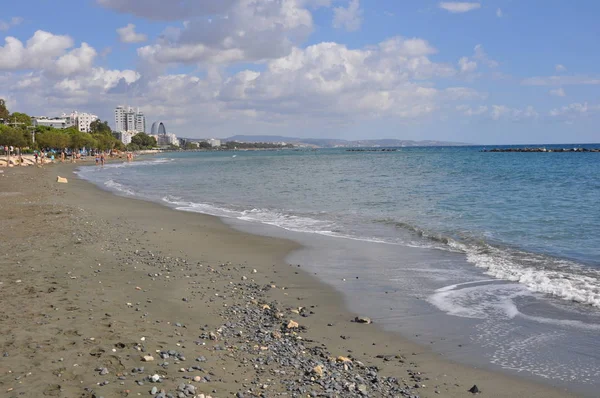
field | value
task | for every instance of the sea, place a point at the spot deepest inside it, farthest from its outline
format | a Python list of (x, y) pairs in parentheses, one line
[(490, 259)]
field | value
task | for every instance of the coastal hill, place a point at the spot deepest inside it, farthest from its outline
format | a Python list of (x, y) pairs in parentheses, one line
[(332, 142)]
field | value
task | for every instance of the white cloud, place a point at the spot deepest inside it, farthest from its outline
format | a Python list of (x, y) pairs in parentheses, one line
[(6, 25), (481, 56), (499, 112), (499, 13), (249, 30), (466, 65), (457, 7), (575, 110), (469, 111), (348, 18), (560, 68), (76, 61), (127, 34), (559, 92), (463, 93), (331, 78), (168, 10), (560, 80), (45, 50)]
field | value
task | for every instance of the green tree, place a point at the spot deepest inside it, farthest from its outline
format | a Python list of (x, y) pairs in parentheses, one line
[(81, 140), (143, 140), (21, 118), (12, 137), (132, 147), (52, 138), (4, 113), (99, 127)]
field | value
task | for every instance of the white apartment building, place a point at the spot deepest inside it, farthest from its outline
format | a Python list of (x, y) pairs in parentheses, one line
[(126, 136), (83, 120), (120, 119), (214, 142), (140, 122), (55, 122), (128, 119), (167, 139)]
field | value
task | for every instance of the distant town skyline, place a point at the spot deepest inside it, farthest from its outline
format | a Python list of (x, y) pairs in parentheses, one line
[(489, 72)]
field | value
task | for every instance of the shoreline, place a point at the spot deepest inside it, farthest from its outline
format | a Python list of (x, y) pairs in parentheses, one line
[(156, 241)]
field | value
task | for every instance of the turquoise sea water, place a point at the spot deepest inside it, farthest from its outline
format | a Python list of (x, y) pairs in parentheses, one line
[(513, 236)]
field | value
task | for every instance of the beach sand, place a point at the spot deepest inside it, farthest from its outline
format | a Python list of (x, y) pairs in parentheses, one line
[(90, 283)]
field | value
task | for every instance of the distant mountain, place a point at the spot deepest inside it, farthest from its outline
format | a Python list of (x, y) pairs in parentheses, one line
[(331, 142)]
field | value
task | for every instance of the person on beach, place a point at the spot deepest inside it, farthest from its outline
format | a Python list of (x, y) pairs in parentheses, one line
[(62, 156), (35, 155), (102, 159), (97, 158)]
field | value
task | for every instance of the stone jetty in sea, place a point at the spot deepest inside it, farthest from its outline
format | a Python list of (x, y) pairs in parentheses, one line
[(542, 150), (372, 150)]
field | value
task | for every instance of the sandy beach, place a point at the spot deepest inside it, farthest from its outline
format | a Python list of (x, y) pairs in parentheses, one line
[(105, 296)]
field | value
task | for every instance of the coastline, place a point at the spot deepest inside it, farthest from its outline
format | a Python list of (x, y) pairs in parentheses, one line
[(98, 243)]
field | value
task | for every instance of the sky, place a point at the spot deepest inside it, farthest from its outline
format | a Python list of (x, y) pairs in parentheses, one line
[(486, 72)]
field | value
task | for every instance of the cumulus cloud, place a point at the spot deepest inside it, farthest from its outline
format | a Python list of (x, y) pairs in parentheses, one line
[(47, 51), (249, 30), (330, 77), (575, 110), (472, 111), (6, 25), (560, 68), (466, 65), (348, 18), (127, 34), (500, 112), (559, 92), (561, 80), (457, 7), (168, 10)]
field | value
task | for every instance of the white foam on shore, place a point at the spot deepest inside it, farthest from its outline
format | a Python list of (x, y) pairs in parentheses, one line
[(119, 187), (558, 278), (485, 300)]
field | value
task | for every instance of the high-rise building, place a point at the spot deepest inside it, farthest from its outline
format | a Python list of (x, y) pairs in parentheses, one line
[(140, 122), (128, 119), (120, 119)]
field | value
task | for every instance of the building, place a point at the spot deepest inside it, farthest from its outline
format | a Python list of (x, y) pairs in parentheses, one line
[(81, 120), (125, 136), (167, 140), (128, 119), (158, 128), (140, 122), (120, 119), (55, 122), (159, 131), (214, 142)]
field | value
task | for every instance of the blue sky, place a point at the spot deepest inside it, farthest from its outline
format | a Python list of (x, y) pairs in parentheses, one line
[(490, 71)]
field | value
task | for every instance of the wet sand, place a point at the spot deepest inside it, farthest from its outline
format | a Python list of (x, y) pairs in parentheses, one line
[(90, 283)]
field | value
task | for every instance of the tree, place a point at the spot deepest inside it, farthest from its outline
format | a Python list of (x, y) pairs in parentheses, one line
[(4, 113), (20, 118), (132, 147), (12, 137), (52, 138), (106, 142), (99, 127), (81, 140), (143, 140)]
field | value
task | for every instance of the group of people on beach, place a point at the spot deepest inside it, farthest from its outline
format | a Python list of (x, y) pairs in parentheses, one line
[(41, 157)]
